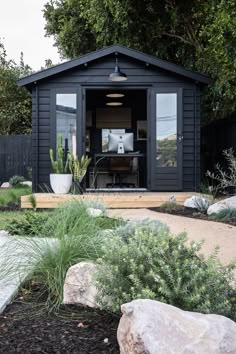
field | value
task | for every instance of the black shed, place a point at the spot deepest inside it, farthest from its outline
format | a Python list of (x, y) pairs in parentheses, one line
[(155, 109)]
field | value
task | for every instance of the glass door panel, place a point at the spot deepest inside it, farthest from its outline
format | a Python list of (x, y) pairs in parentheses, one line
[(66, 113), (166, 129)]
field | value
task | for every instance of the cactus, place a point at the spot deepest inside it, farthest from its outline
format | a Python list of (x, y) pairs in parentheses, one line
[(79, 167), (61, 165)]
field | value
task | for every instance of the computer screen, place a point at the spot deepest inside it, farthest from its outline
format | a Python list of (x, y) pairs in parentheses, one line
[(120, 142)]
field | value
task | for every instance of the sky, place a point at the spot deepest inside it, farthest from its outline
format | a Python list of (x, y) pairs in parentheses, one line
[(22, 30)]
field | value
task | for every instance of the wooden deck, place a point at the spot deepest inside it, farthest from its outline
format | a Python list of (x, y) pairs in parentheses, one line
[(111, 200)]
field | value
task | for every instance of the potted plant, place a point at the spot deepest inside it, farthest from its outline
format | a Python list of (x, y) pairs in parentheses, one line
[(79, 168), (60, 180)]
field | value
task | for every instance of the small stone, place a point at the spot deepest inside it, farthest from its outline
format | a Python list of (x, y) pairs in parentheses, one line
[(196, 201), (27, 183), (95, 213), (4, 233), (6, 185), (106, 340), (79, 287)]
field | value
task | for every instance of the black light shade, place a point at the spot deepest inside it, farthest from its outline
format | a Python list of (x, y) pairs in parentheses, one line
[(117, 75)]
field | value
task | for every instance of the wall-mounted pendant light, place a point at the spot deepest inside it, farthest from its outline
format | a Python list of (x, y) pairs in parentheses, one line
[(114, 104), (115, 95), (117, 75)]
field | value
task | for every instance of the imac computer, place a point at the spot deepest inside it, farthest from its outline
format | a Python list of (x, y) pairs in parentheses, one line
[(120, 143)]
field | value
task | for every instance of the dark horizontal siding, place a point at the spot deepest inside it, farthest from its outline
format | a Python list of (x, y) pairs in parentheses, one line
[(138, 74)]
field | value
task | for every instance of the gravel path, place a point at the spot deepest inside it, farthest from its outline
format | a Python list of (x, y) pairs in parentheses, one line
[(214, 233)]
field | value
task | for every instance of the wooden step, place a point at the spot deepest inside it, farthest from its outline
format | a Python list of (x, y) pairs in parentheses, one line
[(111, 200)]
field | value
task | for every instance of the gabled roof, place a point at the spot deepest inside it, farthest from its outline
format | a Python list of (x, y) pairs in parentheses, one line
[(135, 54)]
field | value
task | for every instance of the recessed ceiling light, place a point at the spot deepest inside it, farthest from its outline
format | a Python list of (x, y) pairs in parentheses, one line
[(115, 95), (114, 103)]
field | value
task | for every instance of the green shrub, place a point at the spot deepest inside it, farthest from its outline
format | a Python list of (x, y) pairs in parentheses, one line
[(12, 195), (224, 214), (16, 180), (171, 206), (152, 264), (29, 224)]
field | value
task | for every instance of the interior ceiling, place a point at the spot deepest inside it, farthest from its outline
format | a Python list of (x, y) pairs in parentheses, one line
[(97, 98)]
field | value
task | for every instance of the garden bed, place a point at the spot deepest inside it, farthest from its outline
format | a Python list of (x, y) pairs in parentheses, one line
[(26, 327), (191, 213)]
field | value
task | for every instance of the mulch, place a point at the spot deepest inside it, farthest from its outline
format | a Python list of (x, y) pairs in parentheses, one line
[(191, 213), (10, 207), (26, 327)]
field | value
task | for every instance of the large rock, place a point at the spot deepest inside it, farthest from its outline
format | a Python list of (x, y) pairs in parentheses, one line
[(152, 327), (197, 202), (222, 204), (79, 287)]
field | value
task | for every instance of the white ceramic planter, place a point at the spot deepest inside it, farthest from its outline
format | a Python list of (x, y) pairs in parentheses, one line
[(60, 184)]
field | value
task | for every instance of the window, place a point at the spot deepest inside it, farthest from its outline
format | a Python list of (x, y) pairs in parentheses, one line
[(166, 129), (66, 110), (105, 133)]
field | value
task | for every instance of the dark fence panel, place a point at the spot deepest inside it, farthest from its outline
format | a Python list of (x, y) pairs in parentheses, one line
[(215, 138), (15, 156)]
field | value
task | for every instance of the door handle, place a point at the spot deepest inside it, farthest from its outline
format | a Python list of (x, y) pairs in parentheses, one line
[(180, 138)]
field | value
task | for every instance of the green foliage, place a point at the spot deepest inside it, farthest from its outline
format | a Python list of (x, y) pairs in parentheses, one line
[(71, 237), (152, 264), (199, 35), (225, 178), (15, 101), (61, 165), (12, 195), (171, 206), (224, 215), (29, 224), (16, 180), (79, 167)]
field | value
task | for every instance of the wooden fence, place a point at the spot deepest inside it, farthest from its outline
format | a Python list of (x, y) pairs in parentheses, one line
[(15, 156)]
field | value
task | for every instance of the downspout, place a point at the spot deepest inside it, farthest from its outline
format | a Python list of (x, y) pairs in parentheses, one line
[(36, 136)]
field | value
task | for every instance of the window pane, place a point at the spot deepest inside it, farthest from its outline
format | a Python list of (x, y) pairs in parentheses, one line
[(66, 120), (166, 129)]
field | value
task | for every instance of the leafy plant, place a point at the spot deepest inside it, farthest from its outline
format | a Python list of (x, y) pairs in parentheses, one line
[(71, 236), (79, 167), (226, 178), (224, 214), (171, 206), (202, 202), (60, 166), (16, 180), (12, 195), (30, 224), (151, 264)]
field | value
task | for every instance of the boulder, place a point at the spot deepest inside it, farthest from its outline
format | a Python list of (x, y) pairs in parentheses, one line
[(196, 202), (79, 287), (152, 327), (6, 185), (27, 183), (222, 204), (95, 213)]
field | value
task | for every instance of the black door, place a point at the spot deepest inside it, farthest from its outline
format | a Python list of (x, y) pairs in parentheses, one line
[(166, 139)]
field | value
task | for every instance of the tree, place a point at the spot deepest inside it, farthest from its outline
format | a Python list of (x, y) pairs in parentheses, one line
[(15, 101), (199, 35)]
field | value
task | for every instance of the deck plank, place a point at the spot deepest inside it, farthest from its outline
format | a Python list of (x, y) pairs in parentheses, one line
[(112, 200)]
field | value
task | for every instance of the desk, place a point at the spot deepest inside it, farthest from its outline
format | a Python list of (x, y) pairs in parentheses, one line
[(104, 155)]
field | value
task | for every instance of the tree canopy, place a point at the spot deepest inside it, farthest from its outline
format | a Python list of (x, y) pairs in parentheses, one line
[(15, 101), (200, 35)]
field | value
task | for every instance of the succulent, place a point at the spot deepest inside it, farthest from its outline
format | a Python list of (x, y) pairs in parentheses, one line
[(61, 164), (79, 167)]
